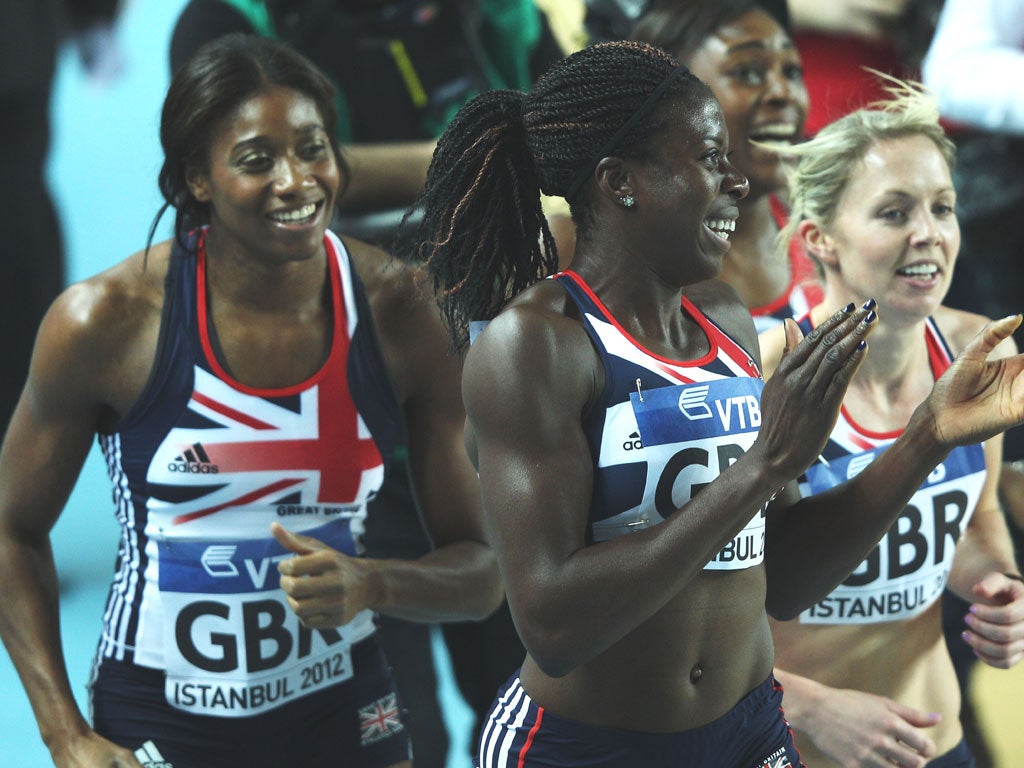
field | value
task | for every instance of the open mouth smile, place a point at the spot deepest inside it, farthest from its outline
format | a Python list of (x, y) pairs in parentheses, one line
[(721, 227), (301, 215)]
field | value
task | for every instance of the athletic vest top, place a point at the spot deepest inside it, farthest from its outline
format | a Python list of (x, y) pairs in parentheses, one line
[(202, 464), (662, 429), (804, 291), (908, 570)]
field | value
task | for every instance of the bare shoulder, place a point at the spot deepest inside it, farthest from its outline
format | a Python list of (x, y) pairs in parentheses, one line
[(105, 329), (960, 327), (111, 305), (413, 338), (535, 349), (397, 291), (543, 317)]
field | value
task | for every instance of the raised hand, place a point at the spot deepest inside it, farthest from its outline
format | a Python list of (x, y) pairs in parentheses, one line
[(800, 402), (326, 588), (977, 398)]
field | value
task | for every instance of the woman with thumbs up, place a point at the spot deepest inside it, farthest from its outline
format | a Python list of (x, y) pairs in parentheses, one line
[(248, 381)]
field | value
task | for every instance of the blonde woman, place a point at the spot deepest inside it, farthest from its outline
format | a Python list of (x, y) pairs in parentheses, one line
[(867, 674)]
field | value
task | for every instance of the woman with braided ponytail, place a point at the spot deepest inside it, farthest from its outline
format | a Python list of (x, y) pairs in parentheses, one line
[(627, 446)]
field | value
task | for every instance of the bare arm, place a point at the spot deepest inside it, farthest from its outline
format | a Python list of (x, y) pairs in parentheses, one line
[(46, 445), (994, 624), (974, 400), (386, 175), (459, 579), (856, 728), (572, 601)]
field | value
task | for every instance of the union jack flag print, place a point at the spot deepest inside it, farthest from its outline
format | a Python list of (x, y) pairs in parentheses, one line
[(379, 720)]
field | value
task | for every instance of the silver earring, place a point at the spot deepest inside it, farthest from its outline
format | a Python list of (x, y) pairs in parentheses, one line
[(627, 200)]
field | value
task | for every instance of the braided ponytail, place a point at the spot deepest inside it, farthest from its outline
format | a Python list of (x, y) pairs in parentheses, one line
[(481, 203), (484, 237)]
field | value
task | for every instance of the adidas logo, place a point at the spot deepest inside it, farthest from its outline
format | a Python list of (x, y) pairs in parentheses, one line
[(633, 442), (194, 461), (150, 756)]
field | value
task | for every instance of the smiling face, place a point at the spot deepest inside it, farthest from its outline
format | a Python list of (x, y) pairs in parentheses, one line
[(689, 188), (272, 178), (754, 70), (895, 234)]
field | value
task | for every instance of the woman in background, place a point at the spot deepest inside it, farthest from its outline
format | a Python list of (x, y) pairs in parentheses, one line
[(747, 58), (868, 677)]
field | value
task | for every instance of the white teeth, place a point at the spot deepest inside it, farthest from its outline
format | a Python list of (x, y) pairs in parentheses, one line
[(774, 131), (721, 227), (299, 214), (920, 270)]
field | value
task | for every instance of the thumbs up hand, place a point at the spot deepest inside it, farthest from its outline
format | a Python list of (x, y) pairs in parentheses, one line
[(326, 588)]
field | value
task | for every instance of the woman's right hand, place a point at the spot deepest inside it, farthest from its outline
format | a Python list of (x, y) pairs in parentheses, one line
[(861, 730), (90, 750), (978, 397), (800, 402)]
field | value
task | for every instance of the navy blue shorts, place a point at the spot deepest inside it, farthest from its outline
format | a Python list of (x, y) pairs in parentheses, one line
[(958, 757), (355, 723), (520, 734)]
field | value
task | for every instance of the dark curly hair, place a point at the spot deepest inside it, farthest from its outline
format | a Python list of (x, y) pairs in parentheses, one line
[(215, 81), (484, 237)]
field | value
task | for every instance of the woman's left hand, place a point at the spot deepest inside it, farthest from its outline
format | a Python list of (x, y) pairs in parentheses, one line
[(977, 398), (326, 588), (995, 622)]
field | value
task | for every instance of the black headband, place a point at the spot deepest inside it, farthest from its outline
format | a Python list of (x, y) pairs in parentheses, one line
[(620, 134)]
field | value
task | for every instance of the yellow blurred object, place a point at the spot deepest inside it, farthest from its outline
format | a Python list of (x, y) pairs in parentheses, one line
[(566, 20), (996, 694)]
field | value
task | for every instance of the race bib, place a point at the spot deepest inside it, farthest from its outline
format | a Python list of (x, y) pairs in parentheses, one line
[(908, 570), (234, 647), (690, 434)]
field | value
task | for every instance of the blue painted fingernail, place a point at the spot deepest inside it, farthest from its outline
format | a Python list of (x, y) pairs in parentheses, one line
[(849, 308), (869, 304), (870, 317), (862, 344)]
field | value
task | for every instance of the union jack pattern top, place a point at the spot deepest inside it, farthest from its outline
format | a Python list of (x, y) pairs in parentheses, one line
[(907, 571), (203, 463), (647, 465)]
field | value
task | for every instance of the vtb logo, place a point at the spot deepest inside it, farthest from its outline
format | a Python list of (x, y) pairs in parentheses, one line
[(693, 403), (218, 561)]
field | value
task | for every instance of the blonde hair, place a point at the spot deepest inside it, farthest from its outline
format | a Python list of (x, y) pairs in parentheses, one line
[(826, 162)]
